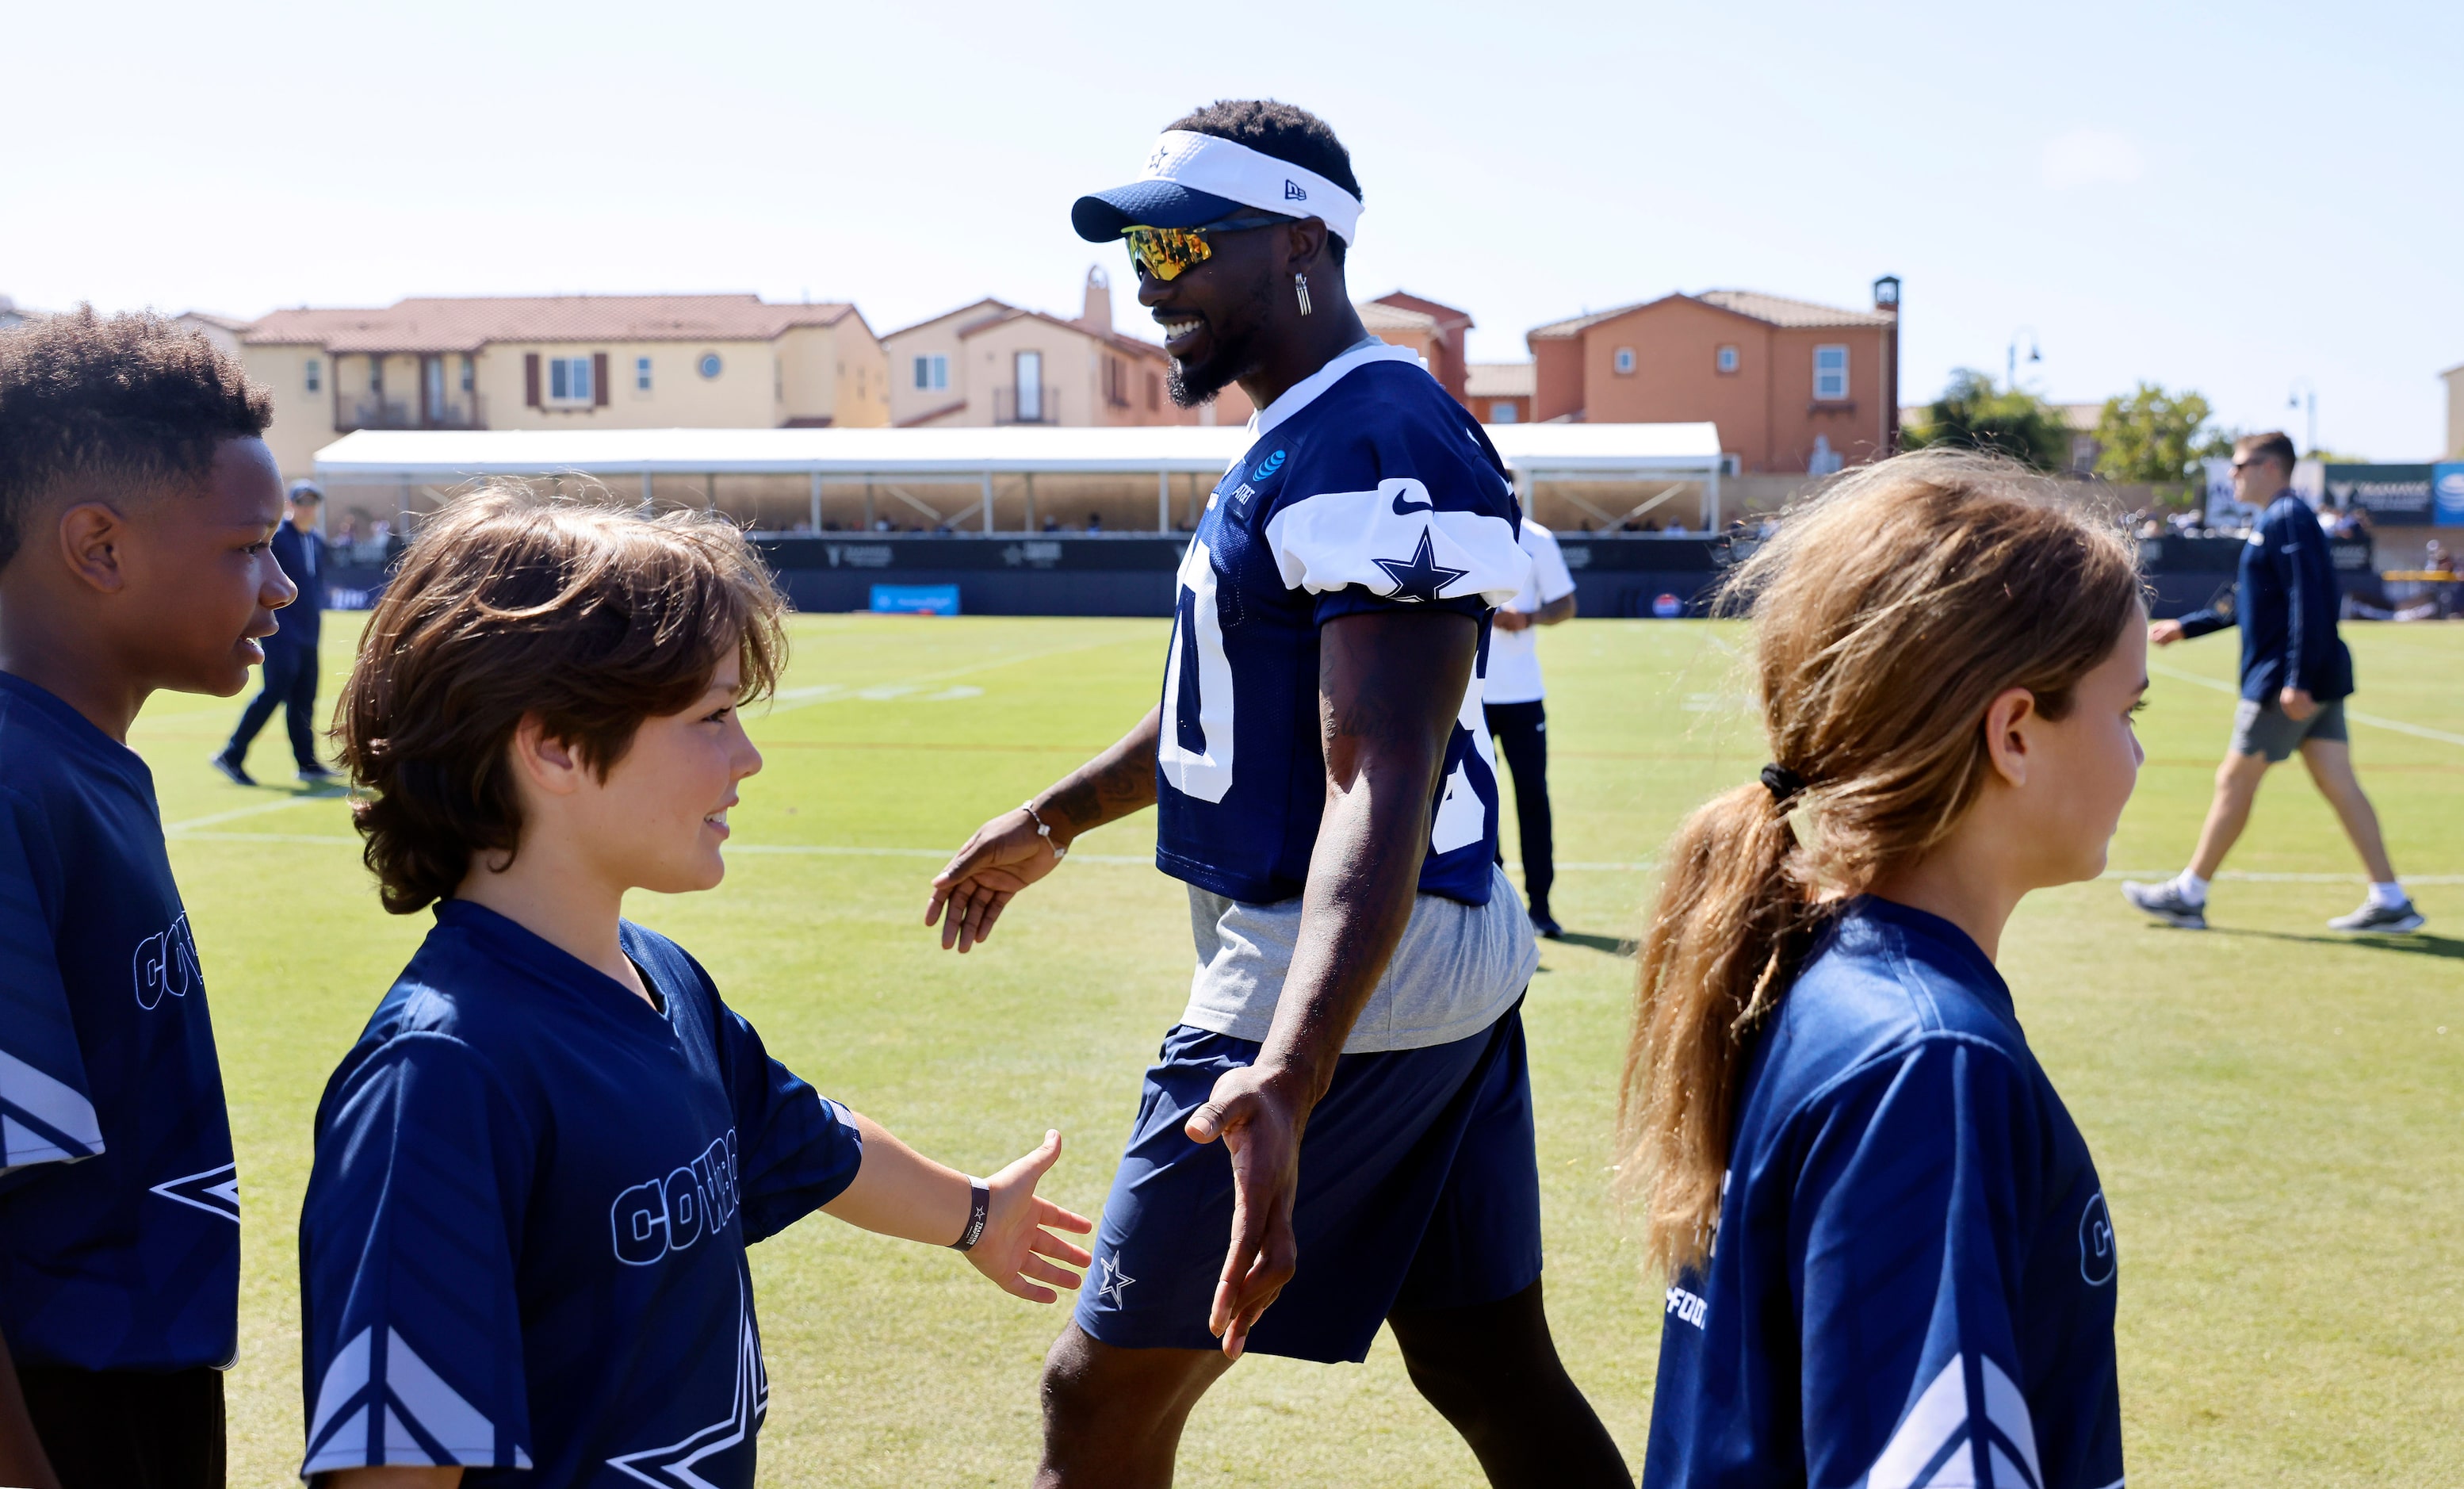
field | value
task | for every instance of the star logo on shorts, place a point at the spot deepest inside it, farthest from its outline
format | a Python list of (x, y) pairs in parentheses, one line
[(1109, 1281), (1420, 578)]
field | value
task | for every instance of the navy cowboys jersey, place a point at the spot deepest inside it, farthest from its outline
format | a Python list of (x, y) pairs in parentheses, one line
[(1366, 488), (522, 1247), (118, 1202), (1912, 1284)]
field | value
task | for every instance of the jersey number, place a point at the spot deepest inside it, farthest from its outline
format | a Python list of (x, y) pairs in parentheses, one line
[(1195, 746)]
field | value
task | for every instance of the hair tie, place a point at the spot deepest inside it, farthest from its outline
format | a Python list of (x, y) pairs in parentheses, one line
[(1782, 782)]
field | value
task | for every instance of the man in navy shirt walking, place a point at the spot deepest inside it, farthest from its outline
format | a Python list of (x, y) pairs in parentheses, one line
[(290, 678), (2295, 673)]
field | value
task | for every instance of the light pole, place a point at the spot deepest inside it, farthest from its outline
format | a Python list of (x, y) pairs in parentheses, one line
[(2306, 392), (2010, 361)]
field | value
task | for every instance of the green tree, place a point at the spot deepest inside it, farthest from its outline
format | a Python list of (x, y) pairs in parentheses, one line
[(2158, 438), (2016, 423)]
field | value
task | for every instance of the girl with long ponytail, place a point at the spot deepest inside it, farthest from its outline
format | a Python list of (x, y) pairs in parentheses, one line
[(1889, 1258)]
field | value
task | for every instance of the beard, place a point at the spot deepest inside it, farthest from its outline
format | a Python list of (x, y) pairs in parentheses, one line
[(1238, 352)]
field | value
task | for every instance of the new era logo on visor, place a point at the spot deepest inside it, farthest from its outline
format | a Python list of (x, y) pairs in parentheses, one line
[(1292, 191)]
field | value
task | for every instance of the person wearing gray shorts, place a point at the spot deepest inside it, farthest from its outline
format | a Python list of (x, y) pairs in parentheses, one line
[(2296, 673), (2265, 729)]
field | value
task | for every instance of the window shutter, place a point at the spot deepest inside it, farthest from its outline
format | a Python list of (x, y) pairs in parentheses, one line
[(530, 380), (599, 379)]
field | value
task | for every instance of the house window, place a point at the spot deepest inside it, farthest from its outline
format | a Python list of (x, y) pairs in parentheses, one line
[(376, 374), (1830, 373), (1028, 367), (1155, 391), (470, 373), (568, 379), (1623, 362), (1726, 358), (931, 372), (1116, 382), (641, 374), (708, 366), (1503, 411), (316, 375)]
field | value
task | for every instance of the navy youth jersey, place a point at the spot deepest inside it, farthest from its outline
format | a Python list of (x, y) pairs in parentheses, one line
[(118, 1202), (2286, 601), (522, 1247), (1366, 488), (1913, 1283)]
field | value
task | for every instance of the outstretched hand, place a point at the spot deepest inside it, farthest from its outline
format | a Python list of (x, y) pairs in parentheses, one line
[(1018, 1232), (1259, 1116), (1005, 856)]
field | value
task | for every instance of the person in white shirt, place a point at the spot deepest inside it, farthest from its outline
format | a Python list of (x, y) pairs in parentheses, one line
[(1511, 700)]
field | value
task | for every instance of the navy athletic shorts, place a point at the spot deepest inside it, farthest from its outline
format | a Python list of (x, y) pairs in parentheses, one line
[(1420, 1189)]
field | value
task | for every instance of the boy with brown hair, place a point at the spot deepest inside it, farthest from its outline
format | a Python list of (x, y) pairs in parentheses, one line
[(522, 1251), (136, 505)]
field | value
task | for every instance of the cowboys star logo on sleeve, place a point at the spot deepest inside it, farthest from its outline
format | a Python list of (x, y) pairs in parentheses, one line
[(1420, 579)]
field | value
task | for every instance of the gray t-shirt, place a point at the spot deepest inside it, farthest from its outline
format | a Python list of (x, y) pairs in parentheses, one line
[(1456, 968)]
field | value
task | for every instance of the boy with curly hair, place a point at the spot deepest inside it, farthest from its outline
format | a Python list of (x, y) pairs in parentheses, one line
[(138, 503)]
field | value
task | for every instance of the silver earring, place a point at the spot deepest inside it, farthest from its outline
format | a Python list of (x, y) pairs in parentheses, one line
[(1300, 287)]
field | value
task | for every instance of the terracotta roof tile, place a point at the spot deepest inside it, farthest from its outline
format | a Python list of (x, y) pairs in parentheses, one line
[(1498, 380), (1377, 317), (1781, 311), (1578, 324), (1771, 309), (466, 325)]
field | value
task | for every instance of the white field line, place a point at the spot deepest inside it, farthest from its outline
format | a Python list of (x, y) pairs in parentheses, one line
[(2159, 875), (2418, 731), (262, 837), (258, 810), (789, 699), (829, 850), (1141, 861)]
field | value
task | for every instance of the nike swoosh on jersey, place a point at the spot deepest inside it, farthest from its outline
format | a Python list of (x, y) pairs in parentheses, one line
[(1404, 507)]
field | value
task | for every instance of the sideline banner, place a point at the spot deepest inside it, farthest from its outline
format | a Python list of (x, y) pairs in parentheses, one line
[(2393, 495)]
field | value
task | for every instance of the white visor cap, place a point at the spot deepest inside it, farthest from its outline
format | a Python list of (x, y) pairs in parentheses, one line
[(1192, 179), (1229, 168)]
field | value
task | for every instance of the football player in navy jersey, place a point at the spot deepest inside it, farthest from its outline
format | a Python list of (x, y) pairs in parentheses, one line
[(522, 1248), (138, 504), (1345, 1097), (1890, 1262)]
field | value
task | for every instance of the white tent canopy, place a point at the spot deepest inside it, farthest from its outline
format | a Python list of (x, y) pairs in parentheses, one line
[(1532, 452)]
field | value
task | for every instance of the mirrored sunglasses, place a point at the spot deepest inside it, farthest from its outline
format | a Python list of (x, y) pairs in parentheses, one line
[(1166, 252)]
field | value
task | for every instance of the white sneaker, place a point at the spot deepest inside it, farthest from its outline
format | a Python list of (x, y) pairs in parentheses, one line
[(2168, 904), (2374, 919)]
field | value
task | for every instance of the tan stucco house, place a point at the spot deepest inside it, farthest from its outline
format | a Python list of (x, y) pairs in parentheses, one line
[(563, 362), (993, 362)]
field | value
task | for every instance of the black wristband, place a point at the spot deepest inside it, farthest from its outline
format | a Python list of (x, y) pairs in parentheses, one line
[(979, 1207)]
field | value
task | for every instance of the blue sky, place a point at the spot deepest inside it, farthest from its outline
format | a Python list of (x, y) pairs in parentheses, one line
[(2231, 198)]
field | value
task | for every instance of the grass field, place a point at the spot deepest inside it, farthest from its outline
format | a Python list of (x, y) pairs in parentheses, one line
[(2275, 1110)]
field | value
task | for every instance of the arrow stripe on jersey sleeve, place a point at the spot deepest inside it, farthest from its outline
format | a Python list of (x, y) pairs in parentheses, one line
[(1935, 1444), (1339, 538), (43, 1118), (419, 1419)]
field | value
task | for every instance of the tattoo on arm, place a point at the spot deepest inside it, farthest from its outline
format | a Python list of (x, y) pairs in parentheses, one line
[(1112, 785)]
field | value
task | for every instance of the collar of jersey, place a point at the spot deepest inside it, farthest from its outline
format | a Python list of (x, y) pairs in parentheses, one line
[(544, 960), (79, 729), (1300, 395), (1910, 920)]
